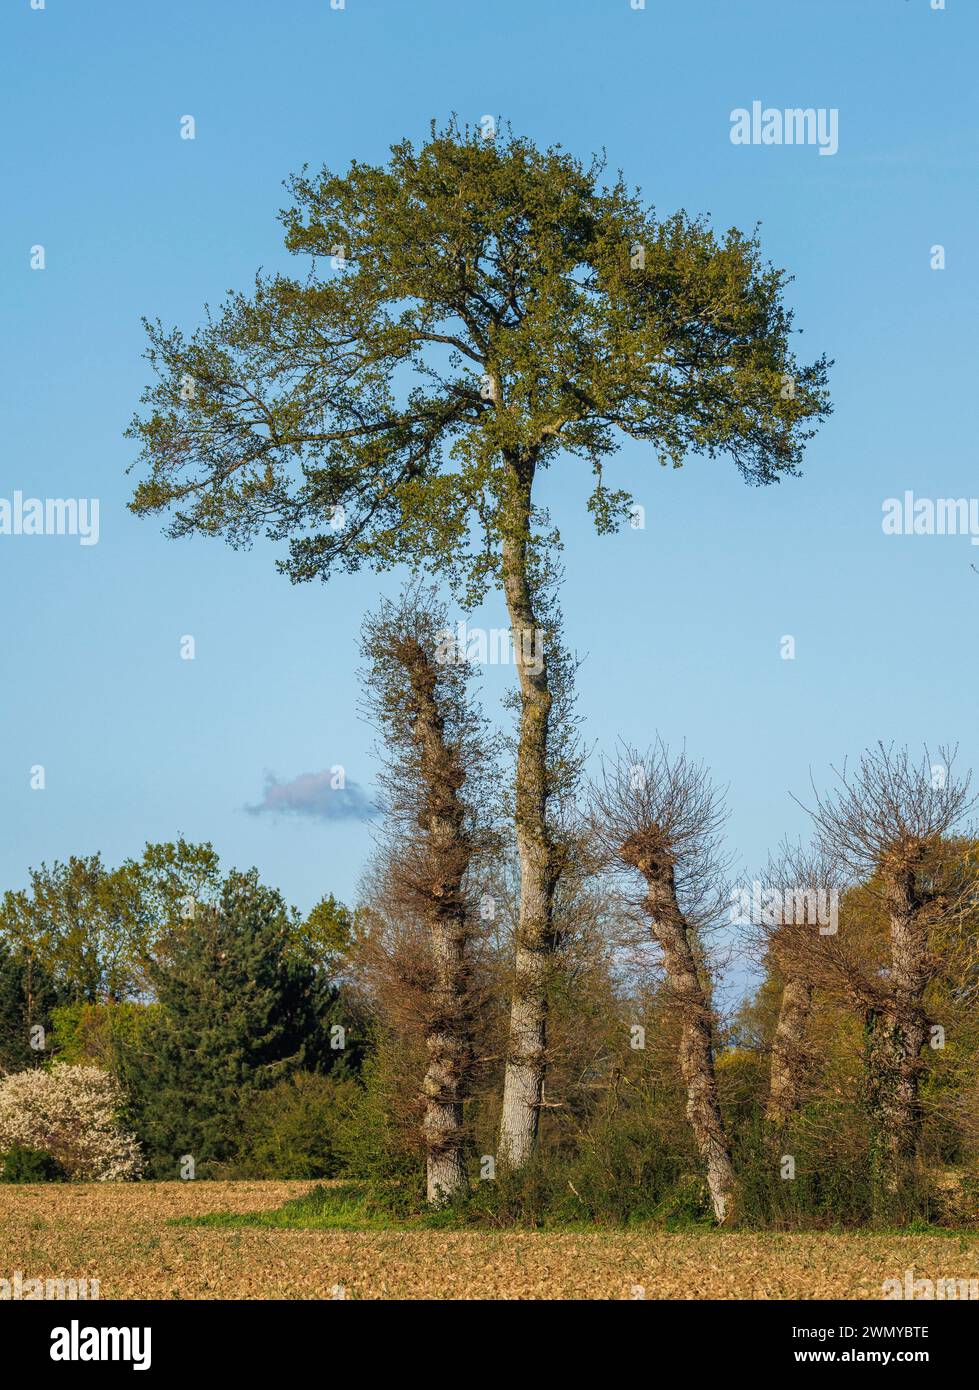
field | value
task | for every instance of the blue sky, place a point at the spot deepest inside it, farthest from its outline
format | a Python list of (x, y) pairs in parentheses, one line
[(679, 623)]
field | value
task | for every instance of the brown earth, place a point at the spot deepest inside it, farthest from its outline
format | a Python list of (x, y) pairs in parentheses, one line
[(117, 1233)]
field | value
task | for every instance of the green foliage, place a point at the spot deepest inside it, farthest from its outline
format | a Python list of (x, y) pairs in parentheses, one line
[(824, 1192), (20, 1163), (93, 929), (466, 313), (96, 1034), (622, 1175), (343, 1207), (374, 1145), (241, 985), (297, 1129), (327, 932), (626, 1162), (28, 994), (241, 1006), (82, 921)]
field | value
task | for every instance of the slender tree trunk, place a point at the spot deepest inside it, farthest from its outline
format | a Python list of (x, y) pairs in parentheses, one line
[(688, 995), (789, 1056), (523, 1086)]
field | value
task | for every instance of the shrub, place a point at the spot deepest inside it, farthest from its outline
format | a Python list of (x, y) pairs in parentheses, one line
[(794, 1183), (70, 1113), (23, 1164), (92, 1035), (296, 1129)]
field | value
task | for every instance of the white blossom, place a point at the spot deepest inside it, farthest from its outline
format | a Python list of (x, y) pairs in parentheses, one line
[(71, 1112)]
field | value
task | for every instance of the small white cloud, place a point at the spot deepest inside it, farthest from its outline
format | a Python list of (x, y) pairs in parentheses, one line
[(313, 794)]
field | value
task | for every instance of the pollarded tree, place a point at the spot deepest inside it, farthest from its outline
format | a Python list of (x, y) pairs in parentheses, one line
[(658, 817), (434, 779), (470, 312), (801, 897), (891, 822)]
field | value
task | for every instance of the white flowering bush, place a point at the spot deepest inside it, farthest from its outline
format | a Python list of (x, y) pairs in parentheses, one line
[(71, 1113)]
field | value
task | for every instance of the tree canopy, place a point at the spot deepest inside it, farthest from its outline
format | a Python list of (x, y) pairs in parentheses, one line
[(472, 301), (94, 929)]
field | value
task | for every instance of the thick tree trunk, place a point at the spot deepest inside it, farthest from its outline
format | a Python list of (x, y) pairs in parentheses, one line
[(909, 979), (523, 1086), (448, 1061), (448, 1030), (892, 1087), (896, 1033), (789, 1056), (689, 997), (893, 1045)]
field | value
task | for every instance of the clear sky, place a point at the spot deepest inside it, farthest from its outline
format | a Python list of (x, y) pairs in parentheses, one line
[(679, 623)]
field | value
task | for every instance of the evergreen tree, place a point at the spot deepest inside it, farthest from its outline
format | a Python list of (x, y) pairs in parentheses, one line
[(243, 1004), (27, 996)]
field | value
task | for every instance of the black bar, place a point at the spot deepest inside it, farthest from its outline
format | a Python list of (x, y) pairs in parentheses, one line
[(281, 1337)]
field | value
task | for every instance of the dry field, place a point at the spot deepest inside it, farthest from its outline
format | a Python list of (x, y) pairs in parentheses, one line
[(118, 1234)]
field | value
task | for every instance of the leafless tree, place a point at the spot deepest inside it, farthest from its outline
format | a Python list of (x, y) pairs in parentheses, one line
[(660, 817)]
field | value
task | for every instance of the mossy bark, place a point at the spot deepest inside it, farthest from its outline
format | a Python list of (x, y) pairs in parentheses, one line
[(526, 1063)]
